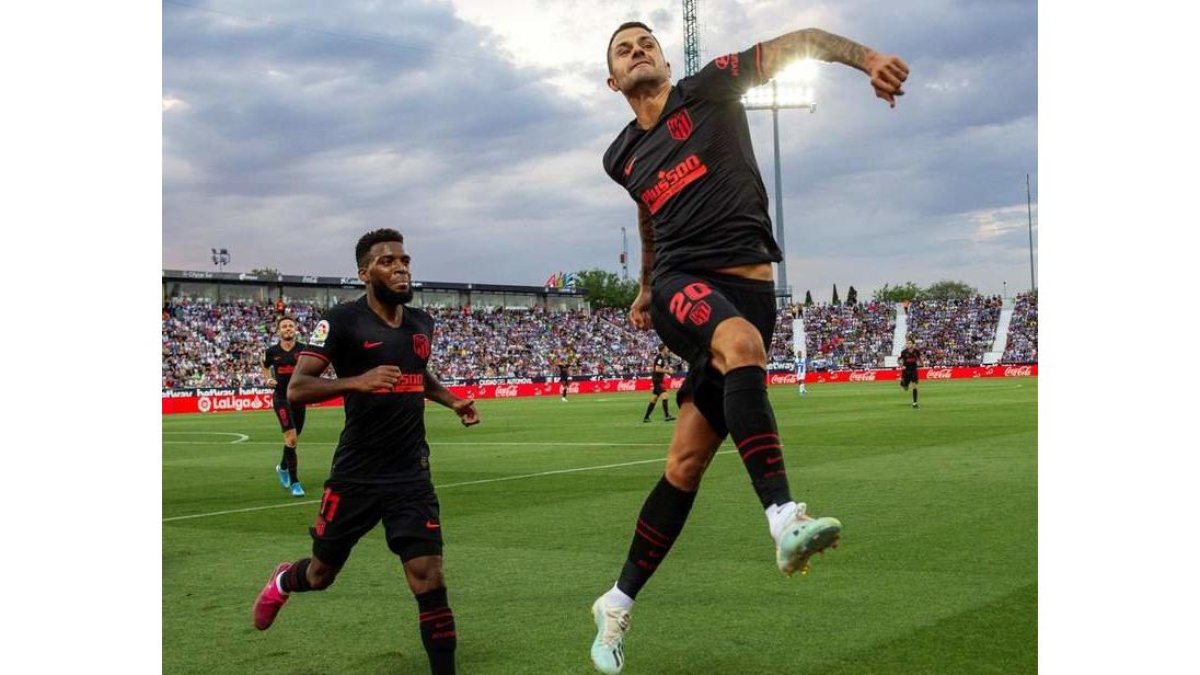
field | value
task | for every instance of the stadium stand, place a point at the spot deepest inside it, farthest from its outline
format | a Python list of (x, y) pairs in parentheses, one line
[(1022, 346), (954, 332), (207, 344)]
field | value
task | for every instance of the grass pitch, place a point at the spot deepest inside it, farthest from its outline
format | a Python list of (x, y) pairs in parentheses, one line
[(937, 571)]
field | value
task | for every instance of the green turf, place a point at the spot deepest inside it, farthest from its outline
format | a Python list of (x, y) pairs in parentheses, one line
[(937, 572)]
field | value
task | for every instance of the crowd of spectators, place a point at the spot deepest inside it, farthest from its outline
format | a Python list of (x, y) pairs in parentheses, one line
[(1022, 345), (954, 332), (854, 336), (483, 344), (221, 345)]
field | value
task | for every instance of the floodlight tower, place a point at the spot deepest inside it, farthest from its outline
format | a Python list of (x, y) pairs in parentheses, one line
[(791, 88), (691, 39)]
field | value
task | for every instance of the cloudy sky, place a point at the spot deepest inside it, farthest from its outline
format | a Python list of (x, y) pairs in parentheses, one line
[(476, 127)]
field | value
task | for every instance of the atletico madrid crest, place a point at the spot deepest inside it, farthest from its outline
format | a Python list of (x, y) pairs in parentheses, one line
[(680, 125), (421, 345)]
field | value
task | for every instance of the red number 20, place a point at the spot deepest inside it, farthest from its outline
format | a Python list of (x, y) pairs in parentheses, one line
[(681, 302)]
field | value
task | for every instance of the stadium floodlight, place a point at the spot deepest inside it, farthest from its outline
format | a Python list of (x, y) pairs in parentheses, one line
[(792, 87), (220, 257)]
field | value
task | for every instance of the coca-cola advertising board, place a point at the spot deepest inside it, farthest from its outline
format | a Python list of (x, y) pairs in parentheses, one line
[(232, 400)]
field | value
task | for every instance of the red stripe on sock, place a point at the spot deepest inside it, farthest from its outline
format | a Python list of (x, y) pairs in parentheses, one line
[(650, 538), (768, 446), (436, 614), (660, 534), (756, 437)]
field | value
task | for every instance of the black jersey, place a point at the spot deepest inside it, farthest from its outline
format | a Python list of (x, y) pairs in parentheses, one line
[(564, 372), (384, 437), (695, 172), (282, 363), (660, 368), (910, 357)]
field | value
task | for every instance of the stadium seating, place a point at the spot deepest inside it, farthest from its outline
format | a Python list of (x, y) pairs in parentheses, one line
[(221, 345)]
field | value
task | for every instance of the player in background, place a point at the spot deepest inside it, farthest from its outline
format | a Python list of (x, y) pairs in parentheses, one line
[(707, 286), (910, 358), (279, 361), (659, 371), (801, 372), (564, 377), (380, 350)]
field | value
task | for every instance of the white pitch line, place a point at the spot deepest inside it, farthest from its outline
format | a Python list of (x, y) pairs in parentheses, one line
[(436, 487), (241, 438), (437, 443)]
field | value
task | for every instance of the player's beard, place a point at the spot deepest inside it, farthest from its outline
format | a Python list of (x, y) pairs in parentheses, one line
[(387, 296)]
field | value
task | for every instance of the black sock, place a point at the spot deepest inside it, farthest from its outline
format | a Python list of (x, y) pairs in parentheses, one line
[(649, 409), (914, 394), (295, 580), (666, 413), (751, 424), (291, 462), (437, 630), (662, 518)]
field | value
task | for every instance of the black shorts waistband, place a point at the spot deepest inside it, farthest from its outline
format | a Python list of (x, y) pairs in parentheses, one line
[(729, 280)]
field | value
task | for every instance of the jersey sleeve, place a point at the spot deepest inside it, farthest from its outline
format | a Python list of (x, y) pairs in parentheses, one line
[(728, 77), (326, 338), (266, 359)]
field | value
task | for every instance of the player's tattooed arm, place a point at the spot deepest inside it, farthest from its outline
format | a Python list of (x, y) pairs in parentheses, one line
[(646, 233), (887, 72), (639, 311), (811, 43)]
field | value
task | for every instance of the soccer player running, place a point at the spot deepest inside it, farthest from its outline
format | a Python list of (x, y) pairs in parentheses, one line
[(910, 358), (707, 284), (279, 361), (564, 377), (380, 351), (661, 368)]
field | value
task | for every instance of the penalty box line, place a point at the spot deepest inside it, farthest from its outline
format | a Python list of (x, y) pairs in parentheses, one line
[(436, 487)]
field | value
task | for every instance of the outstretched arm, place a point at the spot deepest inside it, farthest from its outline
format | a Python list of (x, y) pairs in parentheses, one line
[(887, 72)]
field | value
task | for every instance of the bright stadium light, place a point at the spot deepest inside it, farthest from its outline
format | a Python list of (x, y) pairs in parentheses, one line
[(793, 87)]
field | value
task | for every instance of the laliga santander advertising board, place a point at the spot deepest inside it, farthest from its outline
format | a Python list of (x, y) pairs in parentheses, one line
[(177, 401)]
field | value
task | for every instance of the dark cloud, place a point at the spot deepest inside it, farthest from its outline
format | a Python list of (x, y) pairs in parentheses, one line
[(293, 129)]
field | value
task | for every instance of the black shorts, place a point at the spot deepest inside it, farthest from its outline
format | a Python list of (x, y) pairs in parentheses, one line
[(687, 307), (290, 416), (657, 383), (410, 515), (909, 376)]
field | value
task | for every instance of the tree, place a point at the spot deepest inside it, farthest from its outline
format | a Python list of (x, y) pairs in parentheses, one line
[(852, 296), (808, 299), (950, 290), (899, 293), (835, 296), (606, 289), (265, 272)]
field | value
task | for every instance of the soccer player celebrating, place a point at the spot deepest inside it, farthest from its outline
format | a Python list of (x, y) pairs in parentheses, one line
[(380, 350), (279, 361), (910, 357), (661, 368), (707, 284)]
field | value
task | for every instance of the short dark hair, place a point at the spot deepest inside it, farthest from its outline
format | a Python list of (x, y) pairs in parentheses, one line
[(627, 24), (370, 239), (284, 317)]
